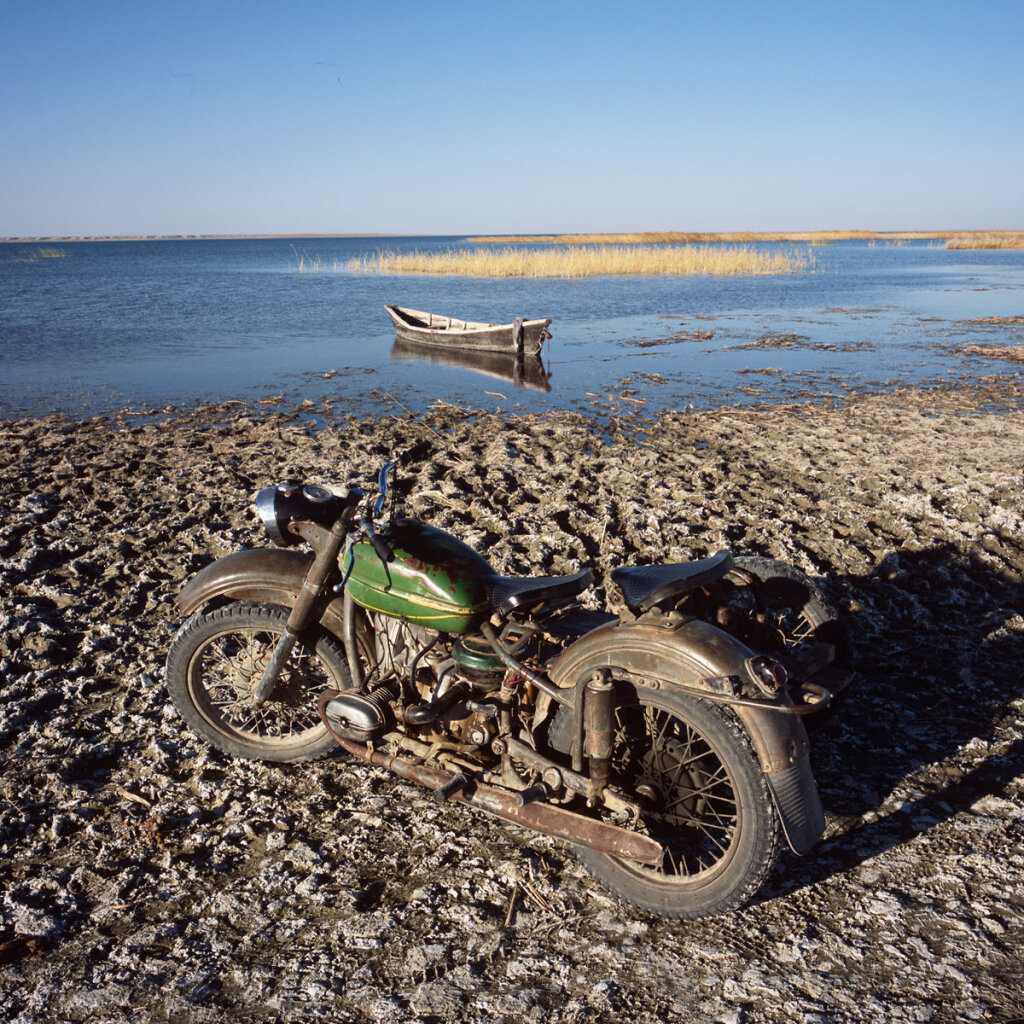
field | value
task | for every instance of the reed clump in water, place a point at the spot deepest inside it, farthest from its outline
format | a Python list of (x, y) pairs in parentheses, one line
[(987, 240), (586, 261)]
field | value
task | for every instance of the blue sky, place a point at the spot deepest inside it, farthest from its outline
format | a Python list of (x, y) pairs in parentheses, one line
[(454, 118)]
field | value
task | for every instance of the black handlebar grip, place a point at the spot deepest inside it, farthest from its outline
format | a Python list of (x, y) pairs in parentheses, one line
[(380, 545), (415, 453)]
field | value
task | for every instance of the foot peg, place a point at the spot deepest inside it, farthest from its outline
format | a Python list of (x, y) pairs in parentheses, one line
[(453, 787), (539, 792)]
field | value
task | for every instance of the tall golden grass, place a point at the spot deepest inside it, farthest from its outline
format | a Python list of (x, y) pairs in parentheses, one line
[(692, 237), (585, 261), (987, 240)]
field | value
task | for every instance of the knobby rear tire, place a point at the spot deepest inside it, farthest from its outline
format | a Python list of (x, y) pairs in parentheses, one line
[(215, 662)]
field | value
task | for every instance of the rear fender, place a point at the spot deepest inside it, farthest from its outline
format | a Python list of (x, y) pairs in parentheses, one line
[(669, 652), (265, 575)]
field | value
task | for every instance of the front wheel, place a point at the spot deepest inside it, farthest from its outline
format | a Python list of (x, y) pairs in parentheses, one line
[(215, 663), (705, 800)]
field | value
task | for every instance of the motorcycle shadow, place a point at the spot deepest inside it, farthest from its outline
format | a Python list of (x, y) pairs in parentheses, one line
[(925, 731)]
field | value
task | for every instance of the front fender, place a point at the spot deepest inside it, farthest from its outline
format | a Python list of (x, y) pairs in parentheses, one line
[(664, 650), (266, 575)]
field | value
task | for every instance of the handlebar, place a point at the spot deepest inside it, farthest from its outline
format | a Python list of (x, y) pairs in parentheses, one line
[(381, 546), (283, 507), (414, 454)]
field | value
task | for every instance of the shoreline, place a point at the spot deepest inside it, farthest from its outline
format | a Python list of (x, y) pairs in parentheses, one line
[(997, 393)]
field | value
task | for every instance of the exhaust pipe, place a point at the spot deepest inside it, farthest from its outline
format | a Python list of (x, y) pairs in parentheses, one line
[(545, 818)]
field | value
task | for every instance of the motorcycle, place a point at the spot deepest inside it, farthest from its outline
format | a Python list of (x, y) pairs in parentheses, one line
[(664, 738)]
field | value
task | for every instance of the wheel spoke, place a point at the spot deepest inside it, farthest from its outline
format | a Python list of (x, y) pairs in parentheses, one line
[(705, 831), (700, 794), (683, 765), (676, 865), (693, 810), (656, 734), (231, 662), (228, 664)]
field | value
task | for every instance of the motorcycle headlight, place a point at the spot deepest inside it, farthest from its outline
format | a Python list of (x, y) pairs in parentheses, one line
[(291, 502)]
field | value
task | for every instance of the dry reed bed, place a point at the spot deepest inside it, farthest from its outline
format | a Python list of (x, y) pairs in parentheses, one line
[(987, 240), (953, 239), (585, 261), (693, 237)]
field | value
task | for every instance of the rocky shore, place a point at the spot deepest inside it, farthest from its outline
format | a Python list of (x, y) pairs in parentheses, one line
[(145, 877)]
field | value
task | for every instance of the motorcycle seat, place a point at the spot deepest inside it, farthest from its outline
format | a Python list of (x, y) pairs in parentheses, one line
[(645, 586), (509, 592)]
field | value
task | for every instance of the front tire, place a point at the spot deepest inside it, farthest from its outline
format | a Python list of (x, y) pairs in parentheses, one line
[(707, 802), (216, 661)]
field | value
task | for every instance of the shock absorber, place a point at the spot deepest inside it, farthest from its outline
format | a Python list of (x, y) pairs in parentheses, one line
[(598, 730)]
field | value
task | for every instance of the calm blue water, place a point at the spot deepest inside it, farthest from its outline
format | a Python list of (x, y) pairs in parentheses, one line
[(158, 322)]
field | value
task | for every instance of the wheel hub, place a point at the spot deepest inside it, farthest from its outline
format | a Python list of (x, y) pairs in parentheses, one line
[(669, 787), (249, 672)]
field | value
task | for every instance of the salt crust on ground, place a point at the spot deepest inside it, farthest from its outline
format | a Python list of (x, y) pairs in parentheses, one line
[(145, 877)]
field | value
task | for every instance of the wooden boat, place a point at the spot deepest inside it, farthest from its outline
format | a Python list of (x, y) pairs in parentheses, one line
[(448, 332), (522, 372)]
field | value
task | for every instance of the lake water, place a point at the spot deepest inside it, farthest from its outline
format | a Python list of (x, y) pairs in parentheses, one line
[(89, 326)]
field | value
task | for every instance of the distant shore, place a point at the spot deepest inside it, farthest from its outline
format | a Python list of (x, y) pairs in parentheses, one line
[(33, 239), (575, 239), (954, 239), (974, 239)]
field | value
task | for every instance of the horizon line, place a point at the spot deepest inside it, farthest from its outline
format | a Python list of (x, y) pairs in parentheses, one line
[(837, 233)]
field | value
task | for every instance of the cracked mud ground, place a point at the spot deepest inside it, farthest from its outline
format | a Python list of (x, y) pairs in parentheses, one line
[(146, 877)]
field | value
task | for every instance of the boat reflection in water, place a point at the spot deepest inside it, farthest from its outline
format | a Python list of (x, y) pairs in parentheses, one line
[(523, 371)]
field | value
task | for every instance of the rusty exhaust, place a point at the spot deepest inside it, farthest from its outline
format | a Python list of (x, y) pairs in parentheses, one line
[(545, 818)]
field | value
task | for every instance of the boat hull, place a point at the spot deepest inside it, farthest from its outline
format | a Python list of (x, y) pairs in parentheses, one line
[(449, 332)]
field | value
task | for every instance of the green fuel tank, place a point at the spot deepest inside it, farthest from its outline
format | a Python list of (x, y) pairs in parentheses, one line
[(434, 579)]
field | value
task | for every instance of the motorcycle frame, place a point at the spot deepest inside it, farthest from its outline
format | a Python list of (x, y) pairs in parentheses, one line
[(655, 652)]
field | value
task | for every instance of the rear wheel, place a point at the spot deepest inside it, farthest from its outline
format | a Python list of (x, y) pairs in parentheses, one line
[(215, 663), (706, 801)]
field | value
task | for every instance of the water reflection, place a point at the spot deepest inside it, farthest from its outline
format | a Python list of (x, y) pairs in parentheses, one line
[(522, 371)]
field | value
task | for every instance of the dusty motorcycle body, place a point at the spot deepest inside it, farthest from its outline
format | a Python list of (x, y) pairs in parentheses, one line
[(663, 738)]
